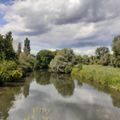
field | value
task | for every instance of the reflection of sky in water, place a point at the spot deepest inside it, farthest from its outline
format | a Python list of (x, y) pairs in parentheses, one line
[(85, 104)]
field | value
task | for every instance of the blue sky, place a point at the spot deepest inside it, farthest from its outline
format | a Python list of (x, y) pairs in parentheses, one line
[(5, 1), (82, 25), (2, 21)]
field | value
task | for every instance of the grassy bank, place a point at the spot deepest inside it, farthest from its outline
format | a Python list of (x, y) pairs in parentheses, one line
[(108, 76)]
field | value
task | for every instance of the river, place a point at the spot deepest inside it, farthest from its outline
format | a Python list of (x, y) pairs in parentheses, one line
[(46, 96)]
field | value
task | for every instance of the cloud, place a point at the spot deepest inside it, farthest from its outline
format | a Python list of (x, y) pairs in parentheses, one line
[(65, 23)]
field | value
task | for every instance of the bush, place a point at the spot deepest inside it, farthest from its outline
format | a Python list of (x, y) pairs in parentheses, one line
[(68, 68), (63, 61), (26, 62), (76, 69), (43, 59), (9, 71)]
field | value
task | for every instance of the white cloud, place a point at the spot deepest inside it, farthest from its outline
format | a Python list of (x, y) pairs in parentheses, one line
[(63, 23)]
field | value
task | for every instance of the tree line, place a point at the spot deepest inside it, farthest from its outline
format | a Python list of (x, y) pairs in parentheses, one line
[(15, 64), (63, 60)]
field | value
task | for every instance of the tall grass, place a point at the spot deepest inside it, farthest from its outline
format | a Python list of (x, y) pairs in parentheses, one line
[(108, 76)]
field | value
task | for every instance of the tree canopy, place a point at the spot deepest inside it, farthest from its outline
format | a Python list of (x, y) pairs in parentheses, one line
[(43, 59), (63, 61), (6, 47), (27, 46)]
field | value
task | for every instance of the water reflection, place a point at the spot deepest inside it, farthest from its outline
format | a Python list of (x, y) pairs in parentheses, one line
[(65, 98), (63, 84), (115, 95), (7, 96), (42, 78), (26, 86)]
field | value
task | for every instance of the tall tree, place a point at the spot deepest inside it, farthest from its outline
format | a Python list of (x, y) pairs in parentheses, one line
[(19, 50), (101, 51), (27, 46), (116, 46), (8, 46), (2, 48), (116, 51)]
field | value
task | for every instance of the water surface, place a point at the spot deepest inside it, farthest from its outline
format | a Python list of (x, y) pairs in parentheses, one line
[(46, 96)]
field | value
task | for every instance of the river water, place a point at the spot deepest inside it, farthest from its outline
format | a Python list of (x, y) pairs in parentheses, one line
[(45, 96)]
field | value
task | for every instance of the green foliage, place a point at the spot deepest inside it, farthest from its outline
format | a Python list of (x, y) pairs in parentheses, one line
[(77, 68), (101, 52), (105, 60), (19, 49), (93, 60), (104, 75), (116, 51), (68, 68), (6, 47), (43, 59), (63, 58), (27, 46), (116, 46), (9, 71), (26, 62), (85, 60), (78, 59)]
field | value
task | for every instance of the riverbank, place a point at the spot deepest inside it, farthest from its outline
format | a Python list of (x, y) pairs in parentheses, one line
[(107, 76), (12, 71)]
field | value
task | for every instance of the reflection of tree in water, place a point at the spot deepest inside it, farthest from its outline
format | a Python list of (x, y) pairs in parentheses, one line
[(7, 96), (116, 99), (26, 87), (79, 83), (63, 83), (42, 78)]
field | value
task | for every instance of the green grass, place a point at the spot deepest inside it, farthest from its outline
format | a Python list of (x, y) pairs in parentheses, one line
[(108, 76)]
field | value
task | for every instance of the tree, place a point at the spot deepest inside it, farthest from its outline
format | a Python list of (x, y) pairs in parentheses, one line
[(2, 48), (19, 49), (116, 46), (85, 59), (27, 46), (78, 59), (116, 51), (62, 61), (101, 52), (43, 59), (93, 60), (105, 60), (6, 47)]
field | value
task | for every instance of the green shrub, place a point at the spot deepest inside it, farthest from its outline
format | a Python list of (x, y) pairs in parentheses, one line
[(62, 60), (76, 69), (43, 59), (9, 71), (68, 68)]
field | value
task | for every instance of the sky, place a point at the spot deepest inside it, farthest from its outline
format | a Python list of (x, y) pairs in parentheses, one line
[(82, 25)]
